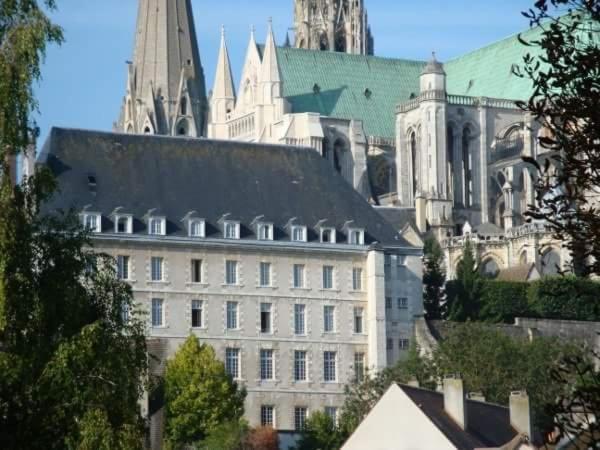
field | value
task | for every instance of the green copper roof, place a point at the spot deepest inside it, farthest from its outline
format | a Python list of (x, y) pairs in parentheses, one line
[(344, 86), (368, 88), (487, 72)]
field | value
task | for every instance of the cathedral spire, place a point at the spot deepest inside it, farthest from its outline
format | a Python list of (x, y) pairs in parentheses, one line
[(222, 101), (270, 75), (166, 91)]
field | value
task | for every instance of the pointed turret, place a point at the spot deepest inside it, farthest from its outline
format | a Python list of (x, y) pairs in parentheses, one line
[(222, 101), (166, 87), (270, 74)]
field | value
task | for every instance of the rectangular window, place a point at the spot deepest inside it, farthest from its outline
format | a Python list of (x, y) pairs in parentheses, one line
[(299, 319), (298, 276), (358, 320), (92, 222), (359, 366), (402, 303), (232, 362), (265, 232), (357, 237), (265, 318), (232, 315), (388, 303), (329, 318), (156, 226), (267, 416), (300, 416), (265, 274), (123, 224), (157, 268), (329, 366), (197, 228), (196, 314), (327, 277), (389, 345), (196, 271), (231, 230), (299, 365), (332, 412), (157, 312), (404, 344), (298, 234), (266, 365), (357, 282), (123, 267), (231, 272)]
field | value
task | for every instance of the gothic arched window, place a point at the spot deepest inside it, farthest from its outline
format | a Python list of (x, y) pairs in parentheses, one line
[(340, 42), (183, 106), (338, 154), (450, 157), (413, 155), (323, 42), (182, 128), (466, 161)]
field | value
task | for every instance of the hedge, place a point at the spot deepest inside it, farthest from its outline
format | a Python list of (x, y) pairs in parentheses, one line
[(561, 298)]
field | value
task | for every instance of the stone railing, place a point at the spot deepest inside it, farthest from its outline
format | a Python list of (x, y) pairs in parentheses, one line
[(527, 230), (242, 126), (378, 141), (459, 100)]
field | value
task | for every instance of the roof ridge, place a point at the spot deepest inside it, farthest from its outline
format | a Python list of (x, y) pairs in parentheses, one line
[(349, 55)]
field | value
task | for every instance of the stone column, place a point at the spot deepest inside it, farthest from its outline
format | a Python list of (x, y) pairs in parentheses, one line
[(483, 159), (376, 310)]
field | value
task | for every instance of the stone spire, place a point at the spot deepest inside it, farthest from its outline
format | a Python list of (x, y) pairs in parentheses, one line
[(166, 91), (270, 75), (333, 25), (222, 100)]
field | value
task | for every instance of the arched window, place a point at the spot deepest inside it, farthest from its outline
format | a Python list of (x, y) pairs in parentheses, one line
[(323, 42), (450, 157), (147, 130), (490, 268), (182, 128), (340, 42), (326, 150), (466, 160), (338, 154), (183, 106), (413, 155)]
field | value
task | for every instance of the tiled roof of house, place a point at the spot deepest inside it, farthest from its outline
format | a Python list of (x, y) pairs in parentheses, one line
[(520, 273), (176, 176)]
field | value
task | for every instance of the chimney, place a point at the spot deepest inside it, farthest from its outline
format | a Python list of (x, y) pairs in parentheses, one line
[(413, 383), (477, 396), (421, 213), (454, 400), (520, 413)]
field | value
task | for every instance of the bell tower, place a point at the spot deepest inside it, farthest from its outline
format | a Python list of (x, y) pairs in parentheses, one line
[(165, 92), (333, 25)]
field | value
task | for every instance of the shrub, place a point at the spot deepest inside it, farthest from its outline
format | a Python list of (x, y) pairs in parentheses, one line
[(502, 301), (566, 298)]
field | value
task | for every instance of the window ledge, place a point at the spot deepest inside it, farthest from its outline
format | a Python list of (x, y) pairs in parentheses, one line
[(300, 289), (330, 290), (272, 288), (356, 292), (232, 286), (160, 283), (202, 285)]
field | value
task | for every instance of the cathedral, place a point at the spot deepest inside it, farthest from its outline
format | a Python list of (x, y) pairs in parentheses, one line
[(435, 147)]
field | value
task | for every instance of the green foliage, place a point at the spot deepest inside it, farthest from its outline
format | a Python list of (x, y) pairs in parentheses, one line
[(567, 298), (228, 435), (464, 293), (25, 32), (96, 433), (320, 433), (66, 349), (502, 301), (199, 394), (434, 278), (565, 102)]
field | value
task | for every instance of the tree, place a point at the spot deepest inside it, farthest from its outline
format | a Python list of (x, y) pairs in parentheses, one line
[(575, 410), (199, 394), (434, 279), (261, 438), (228, 435), (320, 433), (565, 72), (464, 292)]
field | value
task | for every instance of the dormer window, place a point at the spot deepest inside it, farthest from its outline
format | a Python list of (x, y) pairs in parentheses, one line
[(124, 224), (356, 236), (231, 230), (92, 222), (328, 235), (157, 226), (197, 228), (298, 233), (264, 231)]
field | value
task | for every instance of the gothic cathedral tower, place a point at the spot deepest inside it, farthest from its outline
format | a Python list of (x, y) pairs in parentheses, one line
[(165, 92), (335, 25)]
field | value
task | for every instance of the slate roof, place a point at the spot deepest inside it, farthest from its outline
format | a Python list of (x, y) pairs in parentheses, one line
[(368, 88), (488, 425), (398, 217), (213, 178)]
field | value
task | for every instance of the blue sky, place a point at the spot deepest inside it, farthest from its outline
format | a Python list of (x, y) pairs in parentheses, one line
[(84, 79)]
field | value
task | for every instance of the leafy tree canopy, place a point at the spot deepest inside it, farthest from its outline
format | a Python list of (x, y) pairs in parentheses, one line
[(434, 279), (199, 395)]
